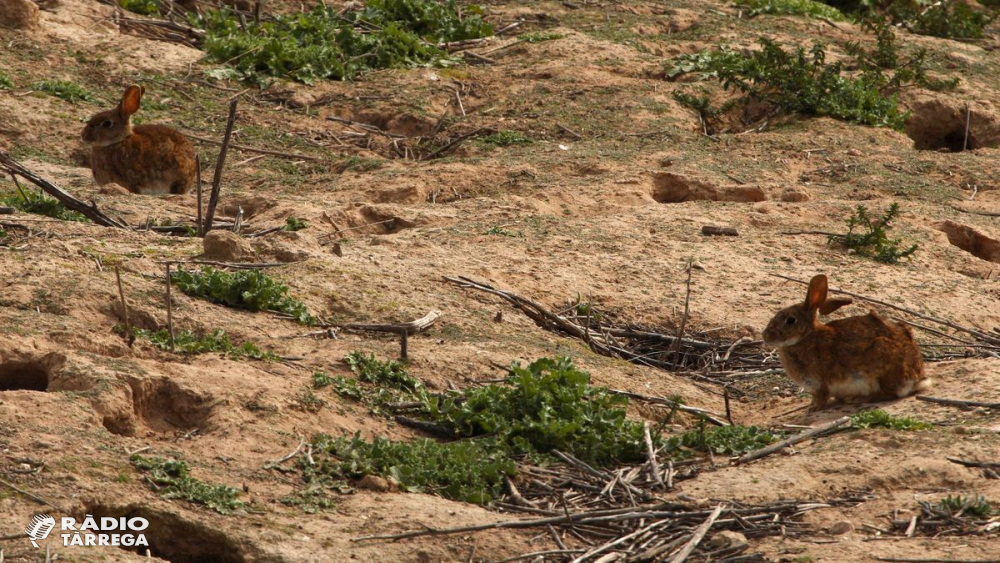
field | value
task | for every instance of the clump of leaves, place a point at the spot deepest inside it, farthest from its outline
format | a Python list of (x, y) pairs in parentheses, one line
[(466, 470), (808, 8), (507, 138), (958, 505), (144, 7), (500, 231), (359, 164), (172, 480), (801, 81), (331, 43), (294, 224), (378, 382), (872, 241), (69, 91), (886, 56), (41, 204), (722, 440), (386, 373), (5, 82), (878, 418), (547, 405), (246, 289), (187, 342), (539, 36), (708, 113)]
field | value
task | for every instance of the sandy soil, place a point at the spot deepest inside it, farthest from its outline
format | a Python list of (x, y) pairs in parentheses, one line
[(591, 214)]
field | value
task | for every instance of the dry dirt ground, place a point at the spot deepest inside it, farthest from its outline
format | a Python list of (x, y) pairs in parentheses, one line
[(591, 213)]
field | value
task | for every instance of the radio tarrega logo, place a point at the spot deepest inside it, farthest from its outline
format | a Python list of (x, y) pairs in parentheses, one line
[(39, 528), (91, 531)]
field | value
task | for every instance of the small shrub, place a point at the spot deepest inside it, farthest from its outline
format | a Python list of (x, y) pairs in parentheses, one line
[(294, 224), (808, 8), (507, 138), (873, 242), (547, 405), (722, 440), (539, 36), (187, 342), (949, 18), (172, 480), (331, 43), (41, 204), (878, 418), (886, 56), (65, 90), (502, 232), (801, 81), (975, 506), (245, 289), (467, 470), (144, 7), (389, 374), (5, 82)]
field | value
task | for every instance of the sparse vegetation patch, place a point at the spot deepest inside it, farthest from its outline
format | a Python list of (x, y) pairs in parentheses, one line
[(172, 479), (69, 91), (247, 289), (809, 8), (866, 236), (40, 204), (332, 43), (187, 342), (878, 418)]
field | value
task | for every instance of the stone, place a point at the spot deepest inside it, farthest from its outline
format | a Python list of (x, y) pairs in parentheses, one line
[(841, 528), (793, 195), (727, 540), (226, 246)]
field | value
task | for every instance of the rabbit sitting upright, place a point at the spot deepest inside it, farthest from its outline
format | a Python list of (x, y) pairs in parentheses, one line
[(145, 159), (859, 358)]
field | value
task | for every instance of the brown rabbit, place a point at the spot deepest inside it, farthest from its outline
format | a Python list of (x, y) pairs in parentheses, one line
[(145, 159), (862, 358)]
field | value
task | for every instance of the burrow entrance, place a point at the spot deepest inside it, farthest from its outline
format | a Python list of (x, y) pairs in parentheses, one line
[(674, 188), (30, 375), (159, 404), (175, 538), (971, 241), (937, 126)]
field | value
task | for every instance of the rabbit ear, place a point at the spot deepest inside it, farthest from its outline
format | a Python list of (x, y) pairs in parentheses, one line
[(832, 305), (816, 295), (130, 100)]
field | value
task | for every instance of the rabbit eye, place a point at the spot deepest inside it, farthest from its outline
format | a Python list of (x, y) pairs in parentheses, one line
[(790, 321), (107, 124)]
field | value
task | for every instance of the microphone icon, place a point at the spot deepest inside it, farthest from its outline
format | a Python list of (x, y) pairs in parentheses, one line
[(39, 528)]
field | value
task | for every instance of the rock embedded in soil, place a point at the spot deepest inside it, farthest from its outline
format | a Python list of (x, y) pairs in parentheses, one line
[(226, 246), (793, 195), (841, 528)]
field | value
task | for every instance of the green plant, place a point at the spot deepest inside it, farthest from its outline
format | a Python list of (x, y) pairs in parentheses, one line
[(873, 242), (244, 289), (802, 82), (878, 418), (390, 373), (172, 480), (187, 342), (886, 56), (809, 8), (41, 204), (66, 90), (547, 405), (498, 230), (294, 224), (539, 36), (331, 43), (359, 164), (958, 505), (722, 440), (949, 18), (467, 470), (144, 7), (507, 138), (5, 82)]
